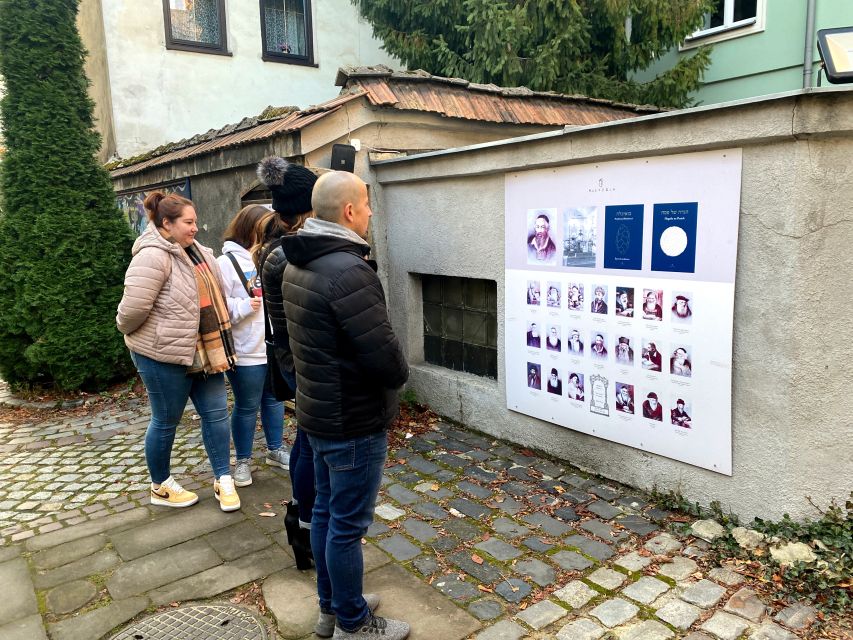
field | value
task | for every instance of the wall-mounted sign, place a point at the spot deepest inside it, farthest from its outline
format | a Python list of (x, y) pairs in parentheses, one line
[(620, 299), (130, 202)]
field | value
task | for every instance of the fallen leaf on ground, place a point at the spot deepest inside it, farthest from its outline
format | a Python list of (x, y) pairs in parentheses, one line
[(267, 514), (476, 559), (435, 486), (485, 588), (523, 605)]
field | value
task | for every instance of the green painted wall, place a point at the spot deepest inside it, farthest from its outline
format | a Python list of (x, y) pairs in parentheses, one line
[(770, 61)]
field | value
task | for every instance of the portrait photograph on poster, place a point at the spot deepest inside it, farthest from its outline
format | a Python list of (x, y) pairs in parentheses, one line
[(554, 385), (533, 292), (682, 310), (652, 359), (574, 342), (552, 338), (554, 295), (541, 249), (579, 237), (625, 302), (680, 363), (652, 305), (598, 345), (574, 295), (623, 351), (534, 376), (680, 413), (625, 397), (599, 300), (574, 386), (534, 338), (652, 408)]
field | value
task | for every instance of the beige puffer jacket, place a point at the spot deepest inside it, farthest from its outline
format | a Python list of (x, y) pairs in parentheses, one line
[(159, 311)]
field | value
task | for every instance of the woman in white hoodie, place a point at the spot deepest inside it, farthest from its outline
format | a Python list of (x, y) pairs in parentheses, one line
[(242, 288)]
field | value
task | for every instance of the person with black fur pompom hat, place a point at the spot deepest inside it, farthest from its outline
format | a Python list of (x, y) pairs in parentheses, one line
[(291, 186)]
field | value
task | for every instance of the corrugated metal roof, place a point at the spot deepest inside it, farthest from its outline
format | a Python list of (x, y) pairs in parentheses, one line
[(406, 91)]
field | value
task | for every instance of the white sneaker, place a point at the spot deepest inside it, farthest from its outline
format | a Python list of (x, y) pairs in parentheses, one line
[(279, 458), (243, 473), (225, 492)]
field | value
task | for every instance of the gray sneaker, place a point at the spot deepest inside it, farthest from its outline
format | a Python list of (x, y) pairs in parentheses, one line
[(374, 627), (279, 458), (243, 473), (326, 622)]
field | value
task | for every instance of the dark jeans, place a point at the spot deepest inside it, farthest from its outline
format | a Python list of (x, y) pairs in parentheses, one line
[(169, 387), (251, 393), (302, 475), (348, 474)]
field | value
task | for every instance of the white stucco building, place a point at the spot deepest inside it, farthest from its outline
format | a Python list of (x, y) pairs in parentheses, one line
[(163, 70)]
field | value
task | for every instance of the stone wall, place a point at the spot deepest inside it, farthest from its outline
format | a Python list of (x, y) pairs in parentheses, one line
[(443, 213)]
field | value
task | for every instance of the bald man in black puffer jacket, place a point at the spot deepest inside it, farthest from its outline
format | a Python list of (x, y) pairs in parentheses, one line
[(349, 366)]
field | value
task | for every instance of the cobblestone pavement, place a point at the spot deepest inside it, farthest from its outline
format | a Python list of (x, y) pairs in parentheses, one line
[(472, 539)]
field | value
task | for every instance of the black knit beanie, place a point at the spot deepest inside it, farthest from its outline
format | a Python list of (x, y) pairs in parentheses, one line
[(291, 185)]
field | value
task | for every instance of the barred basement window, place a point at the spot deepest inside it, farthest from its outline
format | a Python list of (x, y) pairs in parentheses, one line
[(286, 31), (460, 324), (195, 25)]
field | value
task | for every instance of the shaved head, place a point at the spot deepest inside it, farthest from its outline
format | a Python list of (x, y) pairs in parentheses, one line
[(332, 193)]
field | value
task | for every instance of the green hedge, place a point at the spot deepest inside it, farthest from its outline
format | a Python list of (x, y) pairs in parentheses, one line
[(64, 246)]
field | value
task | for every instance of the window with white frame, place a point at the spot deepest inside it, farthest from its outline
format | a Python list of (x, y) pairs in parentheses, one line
[(727, 15)]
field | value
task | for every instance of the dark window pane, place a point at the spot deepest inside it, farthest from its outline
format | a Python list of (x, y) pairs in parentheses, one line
[(491, 295), (474, 328), (475, 360), (284, 21), (432, 350), (718, 14), (492, 364), (491, 330), (475, 294), (431, 286), (195, 20), (452, 290), (745, 9), (452, 327), (453, 358), (432, 319)]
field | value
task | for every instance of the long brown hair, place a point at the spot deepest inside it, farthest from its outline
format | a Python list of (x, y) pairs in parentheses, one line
[(273, 228), (243, 228)]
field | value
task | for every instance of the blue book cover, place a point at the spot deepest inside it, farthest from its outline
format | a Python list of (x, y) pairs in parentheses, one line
[(674, 237), (623, 237)]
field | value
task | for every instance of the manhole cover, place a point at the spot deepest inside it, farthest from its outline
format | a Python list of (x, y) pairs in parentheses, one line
[(197, 622)]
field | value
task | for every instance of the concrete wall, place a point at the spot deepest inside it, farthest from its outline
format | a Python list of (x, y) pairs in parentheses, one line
[(443, 213), (161, 95), (750, 61)]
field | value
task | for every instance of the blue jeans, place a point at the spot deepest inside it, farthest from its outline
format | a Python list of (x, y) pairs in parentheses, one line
[(347, 475), (169, 387), (302, 475), (251, 392)]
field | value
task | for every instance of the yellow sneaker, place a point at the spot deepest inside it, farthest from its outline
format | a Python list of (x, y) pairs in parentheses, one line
[(172, 494), (225, 492)]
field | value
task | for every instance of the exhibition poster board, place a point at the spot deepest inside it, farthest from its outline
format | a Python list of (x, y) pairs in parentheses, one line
[(619, 300)]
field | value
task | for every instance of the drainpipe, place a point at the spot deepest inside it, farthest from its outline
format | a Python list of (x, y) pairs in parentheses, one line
[(808, 57)]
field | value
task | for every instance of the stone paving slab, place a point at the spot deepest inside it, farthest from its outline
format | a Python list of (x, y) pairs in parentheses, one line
[(542, 614), (582, 629), (503, 630), (224, 577), (613, 612), (155, 570), (405, 597), (679, 614), (70, 596), (115, 521), (97, 622), (576, 594), (646, 630), (498, 549), (704, 594), (399, 548), (92, 565), (69, 552), (17, 597), (29, 628), (237, 540), (725, 626), (646, 589)]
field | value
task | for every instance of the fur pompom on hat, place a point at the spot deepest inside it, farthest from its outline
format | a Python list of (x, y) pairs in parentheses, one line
[(291, 185)]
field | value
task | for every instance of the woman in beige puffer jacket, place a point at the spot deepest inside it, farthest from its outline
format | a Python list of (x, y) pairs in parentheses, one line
[(159, 315)]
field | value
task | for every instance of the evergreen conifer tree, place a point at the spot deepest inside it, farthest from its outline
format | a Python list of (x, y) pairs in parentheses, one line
[(588, 47), (63, 244)]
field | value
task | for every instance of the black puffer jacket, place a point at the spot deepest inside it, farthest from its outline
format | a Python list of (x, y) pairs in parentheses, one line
[(273, 262), (348, 361)]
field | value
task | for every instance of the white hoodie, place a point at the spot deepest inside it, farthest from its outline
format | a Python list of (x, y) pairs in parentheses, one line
[(247, 326)]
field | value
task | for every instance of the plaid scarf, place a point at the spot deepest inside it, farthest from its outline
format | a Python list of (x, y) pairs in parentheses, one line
[(214, 352)]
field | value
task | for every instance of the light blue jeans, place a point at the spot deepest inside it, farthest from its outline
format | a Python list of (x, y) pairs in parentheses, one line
[(251, 393), (347, 475), (169, 387)]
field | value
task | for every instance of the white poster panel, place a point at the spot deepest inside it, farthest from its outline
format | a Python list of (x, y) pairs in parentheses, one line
[(620, 299)]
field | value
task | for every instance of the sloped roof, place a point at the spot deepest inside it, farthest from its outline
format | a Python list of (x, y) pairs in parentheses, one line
[(458, 98), (406, 91)]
